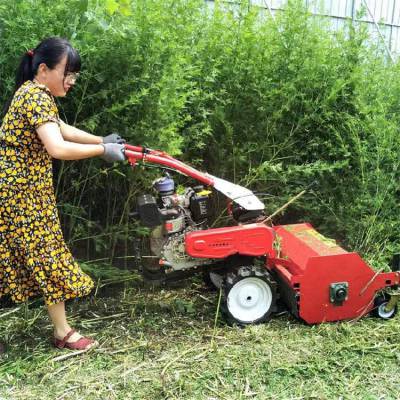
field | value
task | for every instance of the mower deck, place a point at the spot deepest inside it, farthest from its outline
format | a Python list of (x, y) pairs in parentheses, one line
[(322, 282)]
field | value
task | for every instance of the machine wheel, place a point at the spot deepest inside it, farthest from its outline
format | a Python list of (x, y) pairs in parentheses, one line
[(250, 295), (212, 280), (153, 273), (379, 308)]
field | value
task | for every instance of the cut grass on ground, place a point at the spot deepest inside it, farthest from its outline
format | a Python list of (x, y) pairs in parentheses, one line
[(161, 344)]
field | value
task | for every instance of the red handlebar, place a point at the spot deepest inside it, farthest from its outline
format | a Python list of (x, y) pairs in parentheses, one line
[(137, 153)]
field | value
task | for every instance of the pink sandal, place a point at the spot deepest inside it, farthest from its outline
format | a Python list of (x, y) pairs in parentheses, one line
[(80, 344)]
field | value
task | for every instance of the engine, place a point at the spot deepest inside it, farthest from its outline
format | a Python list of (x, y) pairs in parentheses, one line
[(171, 216)]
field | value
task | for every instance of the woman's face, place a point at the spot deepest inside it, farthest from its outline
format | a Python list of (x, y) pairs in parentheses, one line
[(58, 83)]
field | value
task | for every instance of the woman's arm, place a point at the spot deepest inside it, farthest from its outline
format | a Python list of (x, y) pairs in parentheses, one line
[(53, 140), (75, 135)]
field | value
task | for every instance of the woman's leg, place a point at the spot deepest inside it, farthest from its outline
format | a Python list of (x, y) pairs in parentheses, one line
[(59, 319), (61, 326)]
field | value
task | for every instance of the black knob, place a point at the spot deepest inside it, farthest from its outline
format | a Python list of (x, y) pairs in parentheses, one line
[(341, 294)]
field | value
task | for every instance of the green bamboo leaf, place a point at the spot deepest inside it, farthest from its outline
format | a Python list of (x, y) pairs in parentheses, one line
[(111, 6)]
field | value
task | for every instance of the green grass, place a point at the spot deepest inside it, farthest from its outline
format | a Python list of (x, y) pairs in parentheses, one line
[(161, 344)]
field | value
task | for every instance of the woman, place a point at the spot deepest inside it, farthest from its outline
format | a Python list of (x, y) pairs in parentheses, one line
[(34, 259)]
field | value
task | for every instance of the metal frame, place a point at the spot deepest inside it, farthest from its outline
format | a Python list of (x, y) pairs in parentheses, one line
[(349, 5)]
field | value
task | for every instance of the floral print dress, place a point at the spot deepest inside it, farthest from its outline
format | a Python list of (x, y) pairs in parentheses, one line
[(34, 259)]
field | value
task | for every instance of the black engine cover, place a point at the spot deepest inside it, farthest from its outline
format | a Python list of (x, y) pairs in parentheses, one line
[(148, 211)]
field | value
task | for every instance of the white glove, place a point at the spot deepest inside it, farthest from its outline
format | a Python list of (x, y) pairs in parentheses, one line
[(113, 152), (113, 138)]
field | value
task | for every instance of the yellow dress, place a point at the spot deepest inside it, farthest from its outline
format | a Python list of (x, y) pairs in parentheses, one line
[(34, 259)]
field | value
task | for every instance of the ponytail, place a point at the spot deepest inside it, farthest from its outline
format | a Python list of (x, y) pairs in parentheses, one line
[(24, 73), (25, 70)]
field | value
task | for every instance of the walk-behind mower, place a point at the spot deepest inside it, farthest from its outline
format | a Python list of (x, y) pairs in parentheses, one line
[(259, 268)]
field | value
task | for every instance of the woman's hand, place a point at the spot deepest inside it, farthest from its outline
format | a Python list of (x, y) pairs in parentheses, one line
[(113, 152), (113, 138)]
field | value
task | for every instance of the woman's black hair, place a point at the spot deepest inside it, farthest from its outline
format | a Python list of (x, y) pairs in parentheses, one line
[(49, 51)]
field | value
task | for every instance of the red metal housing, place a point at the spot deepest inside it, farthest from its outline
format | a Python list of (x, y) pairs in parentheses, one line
[(250, 240), (307, 267)]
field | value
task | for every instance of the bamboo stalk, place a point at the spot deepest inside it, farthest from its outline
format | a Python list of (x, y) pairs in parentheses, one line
[(280, 209)]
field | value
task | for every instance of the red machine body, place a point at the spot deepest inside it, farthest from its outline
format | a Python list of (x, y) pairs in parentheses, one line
[(310, 267), (317, 280), (249, 240)]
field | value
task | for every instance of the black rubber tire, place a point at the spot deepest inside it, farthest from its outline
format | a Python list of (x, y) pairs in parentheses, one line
[(379, 308), (153, 273), (239, 274), (208, 283)]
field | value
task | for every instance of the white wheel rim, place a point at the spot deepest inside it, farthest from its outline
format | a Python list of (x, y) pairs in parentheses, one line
[(249, 299), (383, 313)]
